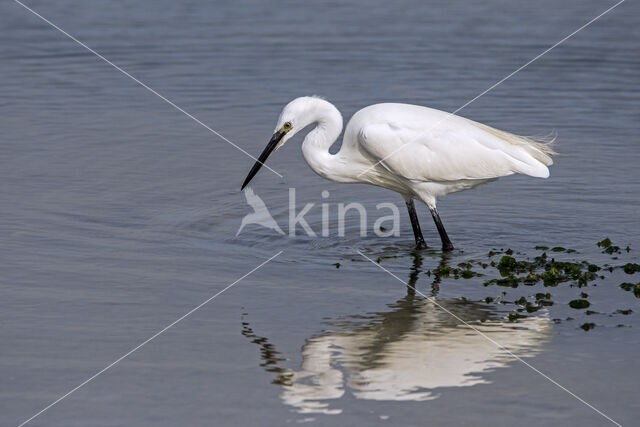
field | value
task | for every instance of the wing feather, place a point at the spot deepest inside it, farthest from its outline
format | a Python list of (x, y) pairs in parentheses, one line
[(458, 151)]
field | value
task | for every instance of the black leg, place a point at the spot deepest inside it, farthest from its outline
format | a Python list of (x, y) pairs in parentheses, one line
[(420, 244), (446, 243)]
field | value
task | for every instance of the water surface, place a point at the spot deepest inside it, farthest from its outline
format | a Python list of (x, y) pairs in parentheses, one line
[(119, 215)]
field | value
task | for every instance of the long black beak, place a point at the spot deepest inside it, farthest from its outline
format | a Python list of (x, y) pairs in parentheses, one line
[(271, 146)]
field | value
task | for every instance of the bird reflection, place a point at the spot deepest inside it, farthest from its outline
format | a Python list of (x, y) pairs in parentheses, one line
[(409, 352)]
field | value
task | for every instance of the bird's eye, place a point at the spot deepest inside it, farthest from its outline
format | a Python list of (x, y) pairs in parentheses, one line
[(287, 126)]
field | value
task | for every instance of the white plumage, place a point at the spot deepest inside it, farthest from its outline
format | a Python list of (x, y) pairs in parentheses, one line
[(416, 151)]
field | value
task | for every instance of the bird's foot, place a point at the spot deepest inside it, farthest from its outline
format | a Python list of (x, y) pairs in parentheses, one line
[(420, 245), (447, 247)]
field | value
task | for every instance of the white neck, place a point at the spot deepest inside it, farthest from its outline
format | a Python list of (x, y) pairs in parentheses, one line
[(315, 147)]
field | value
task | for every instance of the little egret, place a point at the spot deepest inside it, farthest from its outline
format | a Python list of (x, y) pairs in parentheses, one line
[(419, 152)]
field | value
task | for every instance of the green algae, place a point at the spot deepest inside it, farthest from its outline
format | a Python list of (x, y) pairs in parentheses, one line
[(467, 274), (605, 243), (579, 304), (593, 268), (608, 246), (509, 268), (631, 287), (513, 316), (627, 286), (588, 326)]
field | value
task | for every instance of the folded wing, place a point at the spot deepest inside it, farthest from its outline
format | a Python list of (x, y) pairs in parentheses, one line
[(452, 150)]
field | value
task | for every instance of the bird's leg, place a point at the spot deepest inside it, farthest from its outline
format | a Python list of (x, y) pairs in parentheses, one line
[(420, 244), (446, 243)]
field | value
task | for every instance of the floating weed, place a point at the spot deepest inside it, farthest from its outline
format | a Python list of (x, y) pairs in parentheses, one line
[(506, 264), (605, 243), (608, 246), (588, 326), (531, 279), (631, 287), (579, 304), (612, 250), (513, 316), (447, 271), (531, 308), (442, 271), (627, 286), (514, 269), (467, 274)]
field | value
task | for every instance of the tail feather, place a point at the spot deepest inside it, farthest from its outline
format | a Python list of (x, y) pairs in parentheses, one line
[(539, 148)]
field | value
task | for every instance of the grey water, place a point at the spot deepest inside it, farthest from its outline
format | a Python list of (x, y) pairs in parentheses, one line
[(118, 215)]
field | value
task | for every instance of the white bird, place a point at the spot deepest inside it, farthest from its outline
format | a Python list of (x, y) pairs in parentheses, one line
[(419, 152)]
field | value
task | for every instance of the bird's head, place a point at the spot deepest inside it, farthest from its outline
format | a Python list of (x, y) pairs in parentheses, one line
[(295, 116)]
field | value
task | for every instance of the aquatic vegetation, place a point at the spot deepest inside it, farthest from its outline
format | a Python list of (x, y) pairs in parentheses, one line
[(608, 246), (447, 271), (514, 271), (588, 326), (605, 243), (631, 268), (579, 304), (541, 268), (514, 316), (552, 267), (631, 287)]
